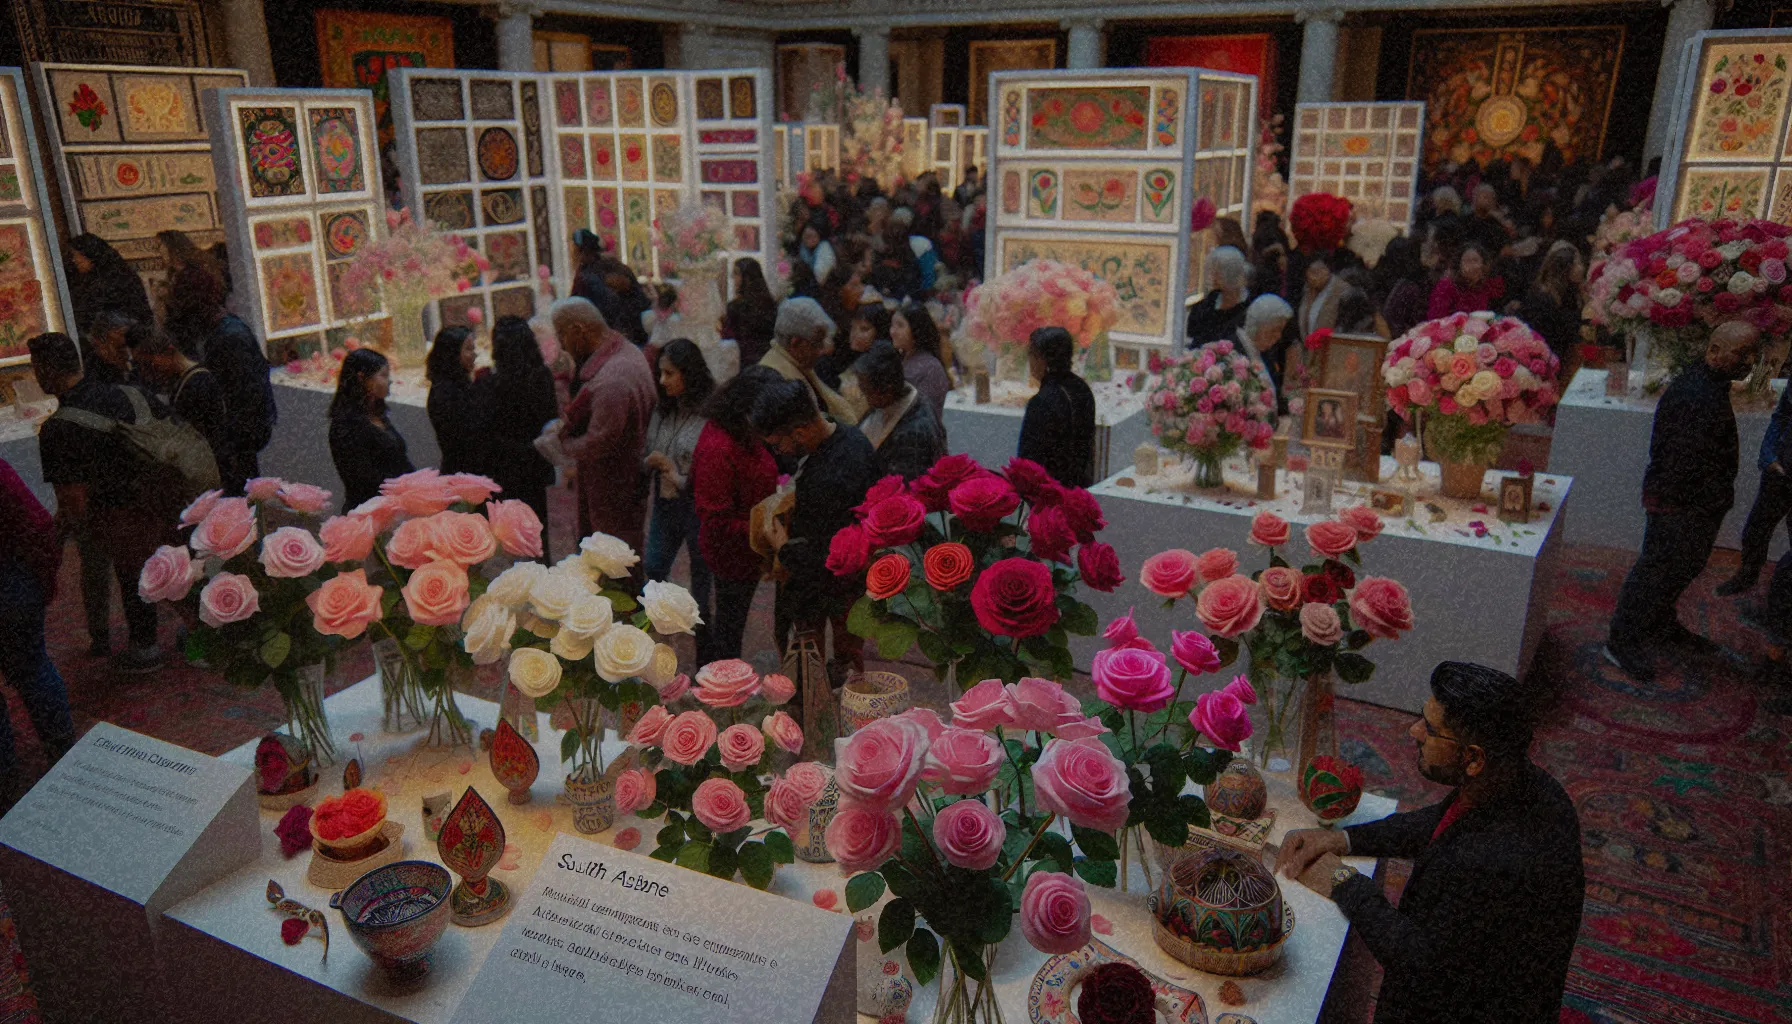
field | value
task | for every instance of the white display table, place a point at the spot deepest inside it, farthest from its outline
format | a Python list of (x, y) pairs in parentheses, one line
[(990, 432), (1477, 592), (300, 450), (228, 936), (1603, 443)]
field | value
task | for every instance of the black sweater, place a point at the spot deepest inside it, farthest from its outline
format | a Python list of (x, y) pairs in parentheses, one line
[(462, 424), (830, 484), (1693, 447), (365, 456), (1058, 431)]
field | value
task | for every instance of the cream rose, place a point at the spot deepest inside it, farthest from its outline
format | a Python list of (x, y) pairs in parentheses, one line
[(589, 615), (554, 593), (575, 566), (662, 669), (623, 652), (608, 555), (513, 584), (534, 671), (670, 608), (571, 646), (488, 625)]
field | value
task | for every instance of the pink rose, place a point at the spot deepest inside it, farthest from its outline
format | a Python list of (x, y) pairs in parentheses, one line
[(720, 806), (1216, 564), (982, 502), (229, 597), (678, 687), (290, 552), (688, 737), (464, 538), (1015, 598), (894, 521), (1099, 566), (861, 838), (411, 544), (963, 762), (726, 684), (881, 764), (1320, 624), (1330, 538), (516, 527), (1381, 607), (347, 538), (1230, 606), (1194, 652), (1043, 705), (1281, 587), (1221, 717), (741, 746), (927, 719), (420, 493), (200, 508), (809, 778), (1269, 530), (436, 594), (1124, 632), (988, 705), (345, 605), (305, 498), (1241, 687), (1170, 573), (635, 790), (1363, 519), (1080, 780), (776, 688), (226, 531), (1132, 679), (1054, 913), (470, 488), (787, 802), (650, 727), (969, 835), (780, 729), (381, 511), (262, 488), (168, 575)]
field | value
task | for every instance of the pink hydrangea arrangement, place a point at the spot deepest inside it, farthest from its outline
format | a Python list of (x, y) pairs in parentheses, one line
[(870, 136), (693, 235), (1210, 402), (1003, 312), (1475, 375)]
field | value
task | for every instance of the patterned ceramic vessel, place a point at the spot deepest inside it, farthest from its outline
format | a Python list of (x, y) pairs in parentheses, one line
[(593, 802), (1221, 911), (471, 844), (872, 696), (514, 762), (1239, 791), (1331, 788), (810, 838), (396, 913)]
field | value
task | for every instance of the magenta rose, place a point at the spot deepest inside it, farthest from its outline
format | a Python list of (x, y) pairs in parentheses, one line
[(969, 835), (1081, 781), (1054, 913), (229, 597), (1015, 598), (728, 683), (1124, 632), (1050, 534), (1222, 718), (1241, 687), (982, 502), (849, 552), (168, 575), (781, 729), (1033, 482), (1194, 652), (741, 746), (688, 737), (1099, 566), (1083, 513), (881, 764), (1380, 607), (988, 705), (1170, 573), (1132, 679), (962, 761), (894, 521), (935, 486), (861, 838), (889, 486), (720, 806)]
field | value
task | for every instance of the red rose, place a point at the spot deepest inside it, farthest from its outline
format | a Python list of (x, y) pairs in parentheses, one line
[(888, 487), (933, 486), (1014, 598), (1035, 485), (1340, 574), (1322, 589), (1050, 534), (982, 502), (1083, 513), (1750, 260), (887, 577), (947, 565), (895, 521), (1116, 993), (849, 551), (1330, 538), (1100, 567)]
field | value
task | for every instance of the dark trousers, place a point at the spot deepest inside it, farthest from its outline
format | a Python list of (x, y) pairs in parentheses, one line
[(96, 580), (237, 468), (1676, 546), (27, 668), (734, 603), (673, 526), (1772, 502)]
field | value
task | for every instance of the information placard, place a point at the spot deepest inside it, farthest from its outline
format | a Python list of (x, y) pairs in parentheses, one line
[(604, 935)]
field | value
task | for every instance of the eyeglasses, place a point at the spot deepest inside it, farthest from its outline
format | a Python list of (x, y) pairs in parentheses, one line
[(1432, 733)]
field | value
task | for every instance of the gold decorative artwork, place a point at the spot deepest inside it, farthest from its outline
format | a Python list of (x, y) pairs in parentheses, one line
[(289, 286), (1741, 97), (156, 108), (1139, 271)]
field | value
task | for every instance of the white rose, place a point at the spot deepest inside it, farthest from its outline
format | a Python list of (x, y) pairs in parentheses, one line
[(554, 593), (1466, 343), (1674, 261), (608, 555), (489, 625), (660, 672), (1668, 297), (588, 616), (544, 628), (534, 671), (1741, 283), (513, 584), (1760, 285), (623, 652), (572, 646), (576, 566), (1731, 250), (670, 607)]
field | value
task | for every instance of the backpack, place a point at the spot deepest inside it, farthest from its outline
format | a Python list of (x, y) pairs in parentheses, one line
[(175, 462)]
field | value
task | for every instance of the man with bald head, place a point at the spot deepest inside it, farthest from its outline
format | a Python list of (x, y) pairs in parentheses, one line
[(1689, 486), (604, 427)]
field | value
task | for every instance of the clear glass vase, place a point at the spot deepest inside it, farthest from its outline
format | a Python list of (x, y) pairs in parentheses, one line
[(403, 702), (963, 998), (302, 696), (448, 727), (1209, 471)]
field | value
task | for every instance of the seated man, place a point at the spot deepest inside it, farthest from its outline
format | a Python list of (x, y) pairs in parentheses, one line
[(1486, 926), (900, 426)]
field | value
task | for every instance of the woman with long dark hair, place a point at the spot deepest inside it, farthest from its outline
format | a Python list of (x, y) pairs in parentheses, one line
[(195, 285), (365, 447), (1552, 304), (752, 312), (731, 473), (519, 395), (455, 412), (1469, 288), (1401, 279), (672, 434), (917, 339), (100, 281)]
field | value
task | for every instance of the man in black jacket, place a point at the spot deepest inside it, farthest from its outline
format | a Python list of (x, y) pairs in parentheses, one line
[(1058, 430), (1487, 923), (899, 425), (1773, 500), (235, 360), (1689, 486)]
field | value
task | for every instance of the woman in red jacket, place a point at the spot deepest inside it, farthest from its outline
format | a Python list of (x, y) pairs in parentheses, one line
[(30, 555), (1471, 288), (730, 473)]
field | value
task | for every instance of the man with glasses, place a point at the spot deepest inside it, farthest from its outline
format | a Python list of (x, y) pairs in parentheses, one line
[(1488, 921)]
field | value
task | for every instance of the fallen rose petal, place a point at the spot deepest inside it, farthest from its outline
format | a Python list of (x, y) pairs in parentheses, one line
[(628, 839), (1101, 924), (825, 898), (509, 861), (464, 767), (292, 930), (355, 737), (544, 820), (867, 930)]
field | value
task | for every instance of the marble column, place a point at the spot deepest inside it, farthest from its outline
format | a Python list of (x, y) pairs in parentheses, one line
[(1318, 54), (1087, 46), (1686, 19), (874, 58), (246, 40), (516, 36)]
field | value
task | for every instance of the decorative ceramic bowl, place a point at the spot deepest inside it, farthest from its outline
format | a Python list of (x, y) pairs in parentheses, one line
[(1052, 997), (872, 696), (1221, 911), (396, 913), (1239, 791)]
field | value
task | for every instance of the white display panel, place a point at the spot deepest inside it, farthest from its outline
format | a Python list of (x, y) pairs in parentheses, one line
[(33, 296), (1366, 152)]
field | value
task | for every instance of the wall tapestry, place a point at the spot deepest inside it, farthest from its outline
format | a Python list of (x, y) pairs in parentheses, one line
[(165, 33), (1253, 54), (1730, 155), (157, 108), (355, 49), (991, 55), (1365, 152), (1088, 118), (1500, 93)]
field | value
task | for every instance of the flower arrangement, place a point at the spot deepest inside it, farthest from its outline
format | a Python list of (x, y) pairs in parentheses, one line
[(693, 235), (410, 266), (1269, 190), (977, 567), (1477, 375), (1209, 403), (1677, 285), (1619, 227), (870, 137), (1004, 311), (1319, 221)]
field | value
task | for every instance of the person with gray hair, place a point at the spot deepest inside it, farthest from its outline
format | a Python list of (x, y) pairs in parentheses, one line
[(803, 334), (1219, 315), (604, 428), (1264, 321)]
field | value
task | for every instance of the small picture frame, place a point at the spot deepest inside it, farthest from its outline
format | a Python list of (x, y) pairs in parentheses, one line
[(1126, 358), (981, 384), (1617, 378), (1515, 499), (1266, 481), (1329, 419), (1392, 503), (1352, 362), (1316, 493), (1327, 459)]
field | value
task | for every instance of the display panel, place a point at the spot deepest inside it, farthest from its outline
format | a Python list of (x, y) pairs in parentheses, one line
[(33, 296), (1730, 149), (1366, 152)]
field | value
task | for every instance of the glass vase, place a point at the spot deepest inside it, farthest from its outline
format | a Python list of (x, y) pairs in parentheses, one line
[(1318, 719), (410, 342), (1098, 359), (448, 727), (1275, 736), (302, 697), (963, 998), (1209, 471), (402, 699)]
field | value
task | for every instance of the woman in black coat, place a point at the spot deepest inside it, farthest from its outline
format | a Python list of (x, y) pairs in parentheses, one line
[(366, 448), (99, 280), (520, 394), (459, 418), (1058, 430)]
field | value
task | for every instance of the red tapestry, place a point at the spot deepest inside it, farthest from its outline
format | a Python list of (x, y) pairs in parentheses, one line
[(1245, 54), (1501, 93)]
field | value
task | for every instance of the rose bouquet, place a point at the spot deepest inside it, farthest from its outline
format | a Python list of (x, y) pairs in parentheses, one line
[(1208, 404), (1476, 375), (914, 821), (977, 567), (1003, 312), (693, 235), (405, 270), (870, 137), (1319, 221)]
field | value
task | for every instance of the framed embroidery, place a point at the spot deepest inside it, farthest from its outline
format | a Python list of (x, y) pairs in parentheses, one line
[(336, 149), (290, 292), (1731, 130), (272, 158), (356, 50), (157, 108), (33, 296), (1366, 152), (995, 55)]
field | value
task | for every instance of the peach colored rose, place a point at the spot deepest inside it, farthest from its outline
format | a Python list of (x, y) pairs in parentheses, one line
[(201, 507), (1320, 624), (470, 488), (345, 605), (776, 688), (168, 575), (861, 838), (464, 538), (226, 531), (688, 737), (347, 538), (1330, 538), (412, 543), (290, 552), (228, 597), (305, 498), (720, 806), (636, 790), (1269, 530), (1170, 573), (881, 764), (741, 746), (420, 493), (382, 511), (262, 488), (782, 730), (1216, 564), (1380, 607), (516, 527), (1281, 587), (1230, 606), (436, 594), (726, 684), (650, 727), (1363, 519)]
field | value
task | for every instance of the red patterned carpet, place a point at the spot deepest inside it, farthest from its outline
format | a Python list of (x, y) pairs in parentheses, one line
[(1684, 788)]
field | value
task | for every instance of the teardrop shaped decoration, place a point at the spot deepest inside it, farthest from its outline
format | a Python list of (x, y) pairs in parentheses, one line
[(514, 762), (471, 843), (351, 774)]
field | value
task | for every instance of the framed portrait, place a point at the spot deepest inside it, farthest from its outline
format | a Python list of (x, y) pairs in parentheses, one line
[(1316, 494), (1352, 362), (1329, 420), (1515, 499)]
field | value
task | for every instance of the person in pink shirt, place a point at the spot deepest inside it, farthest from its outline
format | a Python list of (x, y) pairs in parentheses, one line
[(604, 428), (1470, 288)]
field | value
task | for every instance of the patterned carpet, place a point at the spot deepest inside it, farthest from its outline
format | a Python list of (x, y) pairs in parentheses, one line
[(1684, 788)]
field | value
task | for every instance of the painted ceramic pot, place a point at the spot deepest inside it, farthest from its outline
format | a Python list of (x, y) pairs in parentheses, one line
[(593, 800), (514, 762), (1331, 788), (1221, 911), (1239, 791), (396, 913), (810, 838), (872, 696)]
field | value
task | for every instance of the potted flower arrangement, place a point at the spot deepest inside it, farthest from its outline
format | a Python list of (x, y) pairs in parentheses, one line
[(977, 567), (1002, 313), (406, 270), (1301, 625), (1474, 375), (1209, 404), (870, 136), (914, 821), (693, 242)]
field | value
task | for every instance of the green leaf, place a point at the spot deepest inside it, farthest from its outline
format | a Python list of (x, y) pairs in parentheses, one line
[(1056, 849), (1357, 640), (671, 835), (1354, 668), (698, 831), (924, 955), (1097, 845), (1078, 618), (895, 924), (569, 744), (1098, 872), (779, 846), (694, 856), (863, 619), (901, 883), (665, 854), (1226, 648), (935, 648), (756, 865), (970, 961), (1203, 766), (419, 637), (723, 862), (895, 637), (275, 650), (620, 603), (863, 889)]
